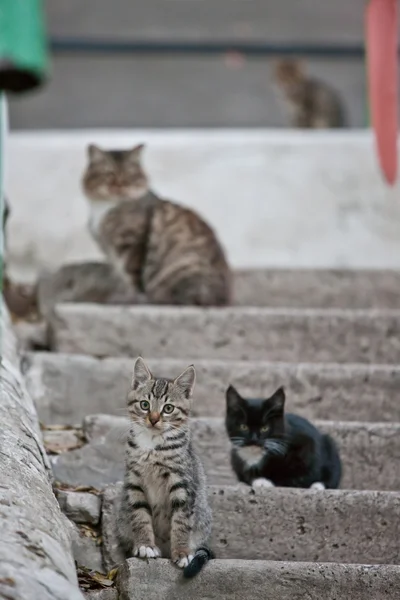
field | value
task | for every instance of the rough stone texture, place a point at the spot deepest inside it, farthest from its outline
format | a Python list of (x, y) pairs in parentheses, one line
[(236, 333), (317, 288), (80, 507), (106, 594), (287, 524), (35, 551), (82, 282), (258, 580), (67, 387), (100, 425), (300, 288), (32, 336), (370, 454), (85, 550)]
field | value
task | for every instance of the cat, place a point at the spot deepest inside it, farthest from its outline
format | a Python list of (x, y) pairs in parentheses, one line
[(164, 507), (271, 448), (312, 103), (167, 252)]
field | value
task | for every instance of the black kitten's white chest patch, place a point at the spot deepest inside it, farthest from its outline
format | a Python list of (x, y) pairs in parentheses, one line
[(251, 455)]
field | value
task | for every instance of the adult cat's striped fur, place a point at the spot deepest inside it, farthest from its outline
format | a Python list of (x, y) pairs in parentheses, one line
[(312, 104), (164, 509), (166, 251)]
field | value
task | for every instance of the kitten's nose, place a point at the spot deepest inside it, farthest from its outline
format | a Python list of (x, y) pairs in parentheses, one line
[(254, 438), (154, 418)]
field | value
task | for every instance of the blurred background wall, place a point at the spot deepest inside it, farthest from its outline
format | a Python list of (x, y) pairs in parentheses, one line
[(167, 63)]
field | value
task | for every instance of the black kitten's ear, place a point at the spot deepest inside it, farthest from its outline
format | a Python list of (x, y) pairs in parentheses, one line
[(233, 398), (141, 373), (277, 399)]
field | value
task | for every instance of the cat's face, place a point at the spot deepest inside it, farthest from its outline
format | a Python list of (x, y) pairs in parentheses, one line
[(114, 174), (255, 421), (288, 73), (157, 404)]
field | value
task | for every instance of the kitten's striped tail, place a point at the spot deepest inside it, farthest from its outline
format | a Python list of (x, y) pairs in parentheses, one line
[(200, 558)]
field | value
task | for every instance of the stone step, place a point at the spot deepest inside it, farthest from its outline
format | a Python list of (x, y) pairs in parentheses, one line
[(298, 288), (287, 524), (365, 336), (370, 453), (317, 288), (67, 387), (259, 580)]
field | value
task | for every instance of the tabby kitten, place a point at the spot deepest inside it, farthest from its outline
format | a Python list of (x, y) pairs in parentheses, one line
[(271, 448), (167, 252), (312, 103), (164, 508)]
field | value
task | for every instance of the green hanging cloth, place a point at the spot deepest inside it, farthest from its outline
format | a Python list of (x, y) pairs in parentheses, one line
[(23, 47)]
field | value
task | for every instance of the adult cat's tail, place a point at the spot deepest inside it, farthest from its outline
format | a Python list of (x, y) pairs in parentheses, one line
[(200, 558)]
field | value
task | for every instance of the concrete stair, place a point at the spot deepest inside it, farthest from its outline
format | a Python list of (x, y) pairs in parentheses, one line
[(333, 339)]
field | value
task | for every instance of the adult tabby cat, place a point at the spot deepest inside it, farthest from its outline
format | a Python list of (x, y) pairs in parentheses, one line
[(271, 448), (167, 252), (312, 103), (164, 508)]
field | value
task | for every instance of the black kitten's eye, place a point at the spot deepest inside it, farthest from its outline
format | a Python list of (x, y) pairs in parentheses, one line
[(243, 427), (168, 409), (144, 405), (264, 429)]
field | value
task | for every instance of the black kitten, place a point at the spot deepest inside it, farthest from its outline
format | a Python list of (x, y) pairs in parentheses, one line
[(270, 448)]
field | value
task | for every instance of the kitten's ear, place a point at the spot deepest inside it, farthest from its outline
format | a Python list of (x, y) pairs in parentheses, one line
[(277, 400), (233, 398), (141, 373), (95, 153), (135, 155), (186, 381)]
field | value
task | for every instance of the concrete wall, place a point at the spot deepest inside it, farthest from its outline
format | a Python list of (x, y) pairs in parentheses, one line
[(275, 198), (188, 90)]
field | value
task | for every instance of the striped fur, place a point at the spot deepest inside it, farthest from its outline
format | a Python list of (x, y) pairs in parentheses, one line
[(167, 252), (164, 509), (311, 103)]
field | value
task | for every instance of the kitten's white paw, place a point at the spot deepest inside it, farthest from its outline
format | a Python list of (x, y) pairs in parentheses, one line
[(261, 482), (147, 552), (183, 561), (317, 486)]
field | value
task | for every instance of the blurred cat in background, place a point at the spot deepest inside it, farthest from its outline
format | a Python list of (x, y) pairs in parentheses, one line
[(311, 103), (167, 252), (271, 448)]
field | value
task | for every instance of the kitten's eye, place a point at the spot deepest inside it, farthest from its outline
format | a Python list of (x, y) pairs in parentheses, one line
[(144, 405), (243, 427), (168, 409), (264, 429)]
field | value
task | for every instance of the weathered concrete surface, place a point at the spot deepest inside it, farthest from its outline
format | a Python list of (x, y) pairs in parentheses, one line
[(66, 387), (106, 594), (292, 525), (317, 288), (370, 453), (85, 549), (299, 288), (258, 580), (80, 507), (35, 550), (82, 282), (243, 333)]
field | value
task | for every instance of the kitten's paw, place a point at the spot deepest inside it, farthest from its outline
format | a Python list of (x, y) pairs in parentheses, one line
[(261, 482), (146, 552), (183, 562), (181, 558), (318, 485)]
